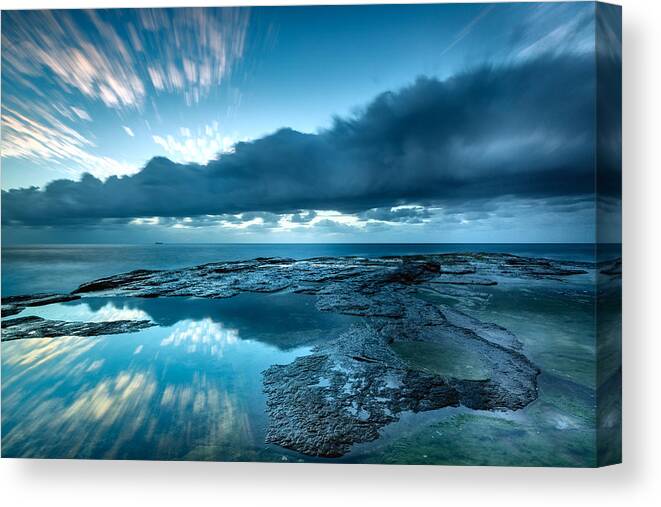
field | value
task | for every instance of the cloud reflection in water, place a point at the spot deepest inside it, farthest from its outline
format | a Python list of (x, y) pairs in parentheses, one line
[(205, 336), (158, 393)]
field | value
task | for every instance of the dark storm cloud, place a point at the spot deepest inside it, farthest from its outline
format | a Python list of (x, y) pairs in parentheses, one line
[(524, 130)]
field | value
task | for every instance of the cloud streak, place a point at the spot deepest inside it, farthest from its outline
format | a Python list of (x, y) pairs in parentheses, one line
[(102, 53), (59, 66), (49, 141), (521, 130)]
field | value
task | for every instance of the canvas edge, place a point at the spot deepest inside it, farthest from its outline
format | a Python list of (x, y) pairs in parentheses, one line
[(608, 207)]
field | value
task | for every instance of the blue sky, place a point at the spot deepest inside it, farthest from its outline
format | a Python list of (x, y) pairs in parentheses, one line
[(103, 92)]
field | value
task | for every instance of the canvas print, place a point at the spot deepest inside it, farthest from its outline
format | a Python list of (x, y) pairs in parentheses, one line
[(382, 234)]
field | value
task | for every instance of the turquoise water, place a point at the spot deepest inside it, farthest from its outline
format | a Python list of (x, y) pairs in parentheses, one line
[(191, 387)]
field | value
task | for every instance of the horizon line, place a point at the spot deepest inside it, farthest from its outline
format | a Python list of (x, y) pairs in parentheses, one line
[(164, 243)]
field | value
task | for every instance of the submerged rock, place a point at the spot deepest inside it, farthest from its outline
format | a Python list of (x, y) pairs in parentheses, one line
[(350, 388), (36, 327)]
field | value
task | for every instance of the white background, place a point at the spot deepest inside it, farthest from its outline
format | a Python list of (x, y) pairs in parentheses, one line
[(636, 482)]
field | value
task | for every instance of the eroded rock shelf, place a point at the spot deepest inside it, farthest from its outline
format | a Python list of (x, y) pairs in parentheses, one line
[(406, 353)]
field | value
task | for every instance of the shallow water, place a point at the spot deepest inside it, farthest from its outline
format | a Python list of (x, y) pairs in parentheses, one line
[(191, 387)]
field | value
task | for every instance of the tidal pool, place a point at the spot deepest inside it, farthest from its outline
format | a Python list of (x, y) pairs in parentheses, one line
[(190, 388)]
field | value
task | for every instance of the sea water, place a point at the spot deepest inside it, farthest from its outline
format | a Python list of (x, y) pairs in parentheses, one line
[(190, 387)]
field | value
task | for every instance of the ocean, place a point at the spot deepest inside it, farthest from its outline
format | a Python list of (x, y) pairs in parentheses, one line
[(61, 268)]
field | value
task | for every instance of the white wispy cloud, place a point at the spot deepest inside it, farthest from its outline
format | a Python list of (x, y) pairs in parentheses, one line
[(67, 60), (81, 113), (208, 43), (199, 146), (193, 51), (555, 29), (49, 140), (57, 43)]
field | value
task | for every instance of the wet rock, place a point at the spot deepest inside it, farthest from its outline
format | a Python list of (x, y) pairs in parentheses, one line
[(38, 299), (12, 305), (412, 273), (491, 332), (342, 394), (350, 388), (8, 310), (117, 281), (347, 390), (532, 267), (36, 327), (329, 275)]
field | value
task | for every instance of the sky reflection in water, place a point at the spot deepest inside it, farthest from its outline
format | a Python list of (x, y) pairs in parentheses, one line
[(187, 389)]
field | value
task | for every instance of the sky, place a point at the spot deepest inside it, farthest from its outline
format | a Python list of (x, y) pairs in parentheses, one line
[(402, 123)]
